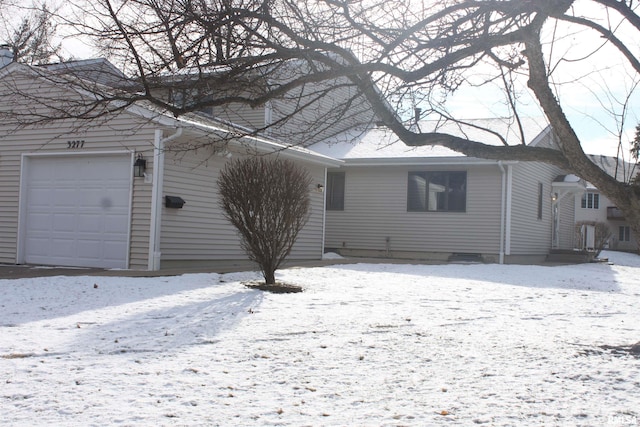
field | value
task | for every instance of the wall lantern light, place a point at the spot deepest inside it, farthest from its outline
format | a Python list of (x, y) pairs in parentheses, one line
[(140, 166), (320, 188)]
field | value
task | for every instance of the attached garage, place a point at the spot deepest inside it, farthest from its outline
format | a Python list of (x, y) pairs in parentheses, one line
[(70, 197), (75, 210)]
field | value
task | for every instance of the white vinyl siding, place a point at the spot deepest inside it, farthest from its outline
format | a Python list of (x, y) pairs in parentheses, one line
[(375, 214), (199, 231)]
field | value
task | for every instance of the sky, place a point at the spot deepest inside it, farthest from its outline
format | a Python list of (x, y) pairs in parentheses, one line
[(363, 345)]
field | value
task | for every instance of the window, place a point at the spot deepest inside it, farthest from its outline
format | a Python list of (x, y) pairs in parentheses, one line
[(624, 234), (540, 196), (590, 201), (437, 191), (335, 191)]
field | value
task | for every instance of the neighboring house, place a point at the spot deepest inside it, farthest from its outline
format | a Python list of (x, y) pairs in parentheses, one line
[(592, 206), (70, 196), (391, 200)]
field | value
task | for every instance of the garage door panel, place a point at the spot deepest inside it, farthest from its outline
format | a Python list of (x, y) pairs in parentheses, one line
[(39, 222), (64, 222), (77, 211), (62, 198), (40, 246), (114, 225), (90, 249)]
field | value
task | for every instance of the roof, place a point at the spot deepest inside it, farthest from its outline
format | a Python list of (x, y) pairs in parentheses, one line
[(568, 184), (241, 136), (102, 69), (619, 169), (380, 145), (98, 70)]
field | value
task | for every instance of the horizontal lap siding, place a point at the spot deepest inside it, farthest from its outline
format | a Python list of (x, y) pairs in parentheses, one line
[(332, 114), (376, 209), (122, 132), (199, 231), (530, 235), (242, 114)]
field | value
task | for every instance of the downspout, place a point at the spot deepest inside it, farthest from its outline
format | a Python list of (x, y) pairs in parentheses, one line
[(324, 213), (507, 236), (156, 196), (503, 176)]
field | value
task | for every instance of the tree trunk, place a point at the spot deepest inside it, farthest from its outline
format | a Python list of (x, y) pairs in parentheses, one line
[(268, 272), (622, 194)]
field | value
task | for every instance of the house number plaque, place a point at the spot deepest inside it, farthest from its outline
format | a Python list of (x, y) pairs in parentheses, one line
[(75, 144)]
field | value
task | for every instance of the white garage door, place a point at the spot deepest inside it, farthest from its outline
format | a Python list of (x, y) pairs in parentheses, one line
[(76, 211)]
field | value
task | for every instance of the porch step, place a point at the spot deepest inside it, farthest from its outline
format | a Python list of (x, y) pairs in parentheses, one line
[(569, 256)]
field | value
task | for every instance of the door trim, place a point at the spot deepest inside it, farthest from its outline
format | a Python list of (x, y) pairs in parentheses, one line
[(22, 208)]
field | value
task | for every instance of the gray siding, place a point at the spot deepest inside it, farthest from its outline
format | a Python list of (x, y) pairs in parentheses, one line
[(199, 231), (241, 114), (334, 109), (375, 216), (530, 235), (118, 133)]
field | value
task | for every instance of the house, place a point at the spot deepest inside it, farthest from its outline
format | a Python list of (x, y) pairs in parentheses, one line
[(594, 207), (70, 197), (390, 200), (135, 187)]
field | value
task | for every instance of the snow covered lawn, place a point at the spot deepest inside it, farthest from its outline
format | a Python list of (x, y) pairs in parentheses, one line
[(363, 345)]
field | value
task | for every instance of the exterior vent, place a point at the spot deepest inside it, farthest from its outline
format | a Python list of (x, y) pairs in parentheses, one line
[(466, 258)]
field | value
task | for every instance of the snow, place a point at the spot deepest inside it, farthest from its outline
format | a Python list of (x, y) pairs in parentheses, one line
[(331, 255), (365, 344), (382, 143)]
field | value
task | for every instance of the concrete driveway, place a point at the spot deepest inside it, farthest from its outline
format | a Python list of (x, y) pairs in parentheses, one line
[(12, 271)]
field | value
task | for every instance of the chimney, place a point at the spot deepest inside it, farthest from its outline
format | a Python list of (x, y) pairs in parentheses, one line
[(6, 56)]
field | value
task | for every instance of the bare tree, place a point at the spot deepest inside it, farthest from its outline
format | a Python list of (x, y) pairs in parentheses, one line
[(267, 200), (389, 56), (32, 39)]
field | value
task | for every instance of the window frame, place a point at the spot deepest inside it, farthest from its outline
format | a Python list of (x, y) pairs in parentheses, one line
[(444, 197), (335, 202), (624, 233), (590, 200), (540, 199)]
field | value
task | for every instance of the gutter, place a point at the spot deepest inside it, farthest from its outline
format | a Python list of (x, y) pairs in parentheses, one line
[(156, 197), (421, 161)]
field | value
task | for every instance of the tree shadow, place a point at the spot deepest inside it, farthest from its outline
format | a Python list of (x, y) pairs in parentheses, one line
[(169, 328), (597, 277), (35, 299)]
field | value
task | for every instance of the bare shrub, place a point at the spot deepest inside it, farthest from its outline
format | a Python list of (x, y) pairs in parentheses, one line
[(602, 235), (267, 200)]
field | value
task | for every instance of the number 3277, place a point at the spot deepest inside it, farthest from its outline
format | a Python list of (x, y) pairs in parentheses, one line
[(75, 144)]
